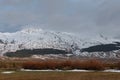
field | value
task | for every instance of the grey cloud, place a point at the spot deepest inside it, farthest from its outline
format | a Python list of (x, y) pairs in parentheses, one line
[(108, 17), (109, 13), (88, 17)]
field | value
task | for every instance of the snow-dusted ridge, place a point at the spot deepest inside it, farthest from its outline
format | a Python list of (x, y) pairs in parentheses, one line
[(36, 38)]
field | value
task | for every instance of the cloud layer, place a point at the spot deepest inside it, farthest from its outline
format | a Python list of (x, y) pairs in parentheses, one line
[(88, 17)]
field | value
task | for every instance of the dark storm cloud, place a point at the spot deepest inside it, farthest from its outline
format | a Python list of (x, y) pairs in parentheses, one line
[(79, 16)]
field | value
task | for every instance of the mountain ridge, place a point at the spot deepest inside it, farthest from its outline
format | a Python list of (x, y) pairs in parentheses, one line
[(36, 38)]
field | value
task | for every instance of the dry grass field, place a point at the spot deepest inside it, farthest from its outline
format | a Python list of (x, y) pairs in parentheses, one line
[(60, 76), (97, 65)]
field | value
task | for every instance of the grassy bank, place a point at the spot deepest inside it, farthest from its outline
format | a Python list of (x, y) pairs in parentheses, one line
[(60, 76)]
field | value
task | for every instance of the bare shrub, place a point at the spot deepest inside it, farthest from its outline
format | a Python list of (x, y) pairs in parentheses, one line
[(65, 65), (93, 65), (118, 65)]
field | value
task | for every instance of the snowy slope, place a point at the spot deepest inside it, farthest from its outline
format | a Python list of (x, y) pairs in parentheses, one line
[(34, 38)]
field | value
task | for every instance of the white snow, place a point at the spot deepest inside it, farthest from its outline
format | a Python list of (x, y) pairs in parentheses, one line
[(7, 72), (39, 70), (74, 70), (111, 70), (35, 38)]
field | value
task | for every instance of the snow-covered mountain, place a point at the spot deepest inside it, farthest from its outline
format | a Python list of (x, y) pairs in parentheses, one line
[(36, 38)]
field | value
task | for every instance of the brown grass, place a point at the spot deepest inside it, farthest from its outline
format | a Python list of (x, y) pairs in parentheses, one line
[(60, 76), (118, 65), (68, 64), (65, 65), (10, 65)]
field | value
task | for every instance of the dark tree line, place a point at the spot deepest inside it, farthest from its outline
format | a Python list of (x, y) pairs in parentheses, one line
[(30, 52)]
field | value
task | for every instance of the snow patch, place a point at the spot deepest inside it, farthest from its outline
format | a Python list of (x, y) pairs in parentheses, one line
[(7, 72), (31, 30), (111, 70), (39, 70), (75, 70)]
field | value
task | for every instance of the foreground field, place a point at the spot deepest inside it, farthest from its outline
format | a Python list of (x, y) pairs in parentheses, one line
[(18, 66), (60, 76)]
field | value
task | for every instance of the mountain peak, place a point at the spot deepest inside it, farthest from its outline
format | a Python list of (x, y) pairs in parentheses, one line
[(31, 29), (33, 37)]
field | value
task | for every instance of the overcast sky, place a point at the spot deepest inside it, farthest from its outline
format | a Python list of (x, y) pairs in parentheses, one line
[(88, 17)]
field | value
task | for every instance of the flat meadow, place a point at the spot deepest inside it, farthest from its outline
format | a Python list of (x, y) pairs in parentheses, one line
[(63, 75)]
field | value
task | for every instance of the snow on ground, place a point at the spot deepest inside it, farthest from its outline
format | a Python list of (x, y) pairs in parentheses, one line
[(7, 72), (111, 70), (39, 70), (75, 70)]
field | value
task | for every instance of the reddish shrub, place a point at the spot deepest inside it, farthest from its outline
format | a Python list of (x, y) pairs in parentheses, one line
[(65, 65), (118, 65), (34, 65), (93, 65)]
